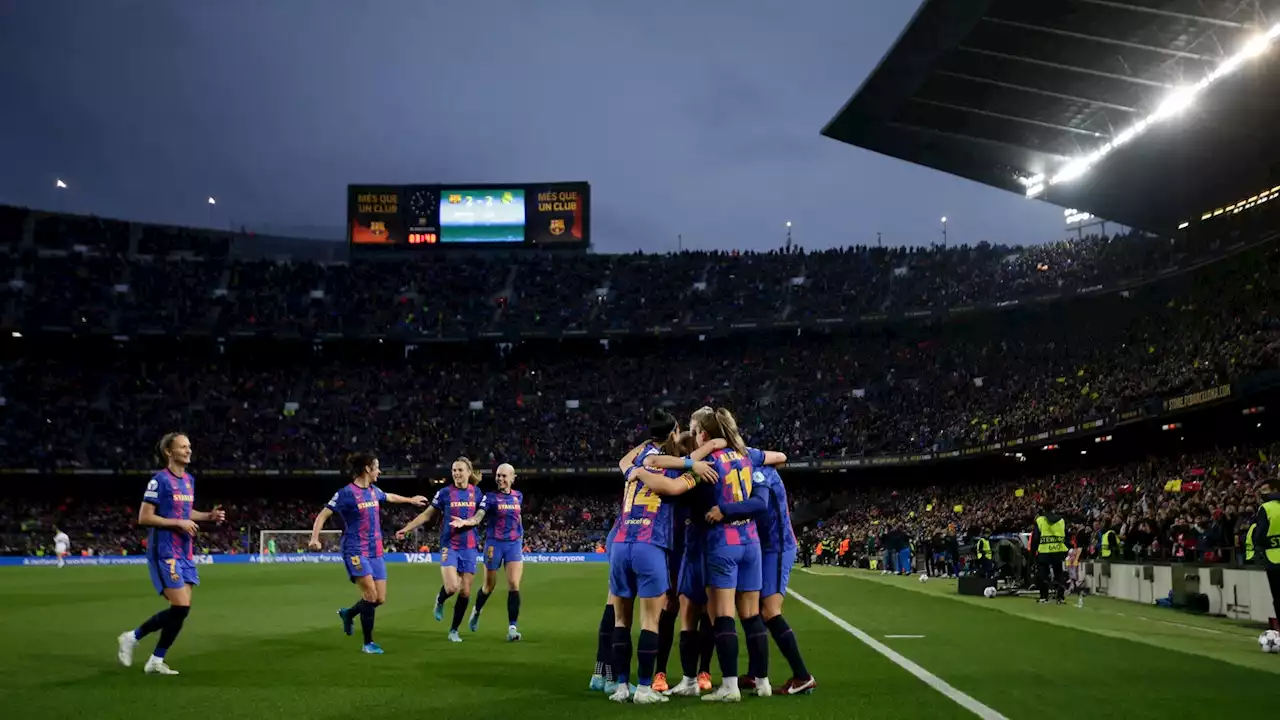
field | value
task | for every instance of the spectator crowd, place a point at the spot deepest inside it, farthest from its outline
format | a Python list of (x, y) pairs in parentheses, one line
[(921, 387), (553, 523), (1194, 507), (1193, 314), (1189, 508)]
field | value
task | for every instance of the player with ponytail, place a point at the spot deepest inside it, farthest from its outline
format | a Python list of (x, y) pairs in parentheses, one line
[(462, 508)]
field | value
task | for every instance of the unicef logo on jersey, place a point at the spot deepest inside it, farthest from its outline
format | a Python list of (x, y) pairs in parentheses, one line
[(758, 478)]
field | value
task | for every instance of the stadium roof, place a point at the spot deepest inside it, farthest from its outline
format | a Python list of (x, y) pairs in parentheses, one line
[(1145, 112)]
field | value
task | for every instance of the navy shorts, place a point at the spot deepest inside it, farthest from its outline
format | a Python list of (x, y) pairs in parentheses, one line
[(464, 560), (500, 552), (638, 570), (775, 572), (171, 573), (734, 567), (359, 566), (693, 583)]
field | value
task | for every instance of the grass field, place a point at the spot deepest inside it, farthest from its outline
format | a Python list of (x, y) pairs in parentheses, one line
[(263, 641)]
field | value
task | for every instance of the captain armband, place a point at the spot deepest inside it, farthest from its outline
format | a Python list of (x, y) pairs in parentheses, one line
[(689, 480)]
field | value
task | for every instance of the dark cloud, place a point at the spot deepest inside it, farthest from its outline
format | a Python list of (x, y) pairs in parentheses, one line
[(694, 118)]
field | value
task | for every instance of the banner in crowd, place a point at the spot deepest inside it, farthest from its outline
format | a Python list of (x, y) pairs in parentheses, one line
[(284, 559), (1197, 398)]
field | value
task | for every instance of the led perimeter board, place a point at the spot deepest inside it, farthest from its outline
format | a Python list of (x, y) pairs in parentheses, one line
[(476, 215)]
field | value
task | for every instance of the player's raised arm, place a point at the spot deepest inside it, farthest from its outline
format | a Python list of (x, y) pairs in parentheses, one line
[(773, 458), (416, 500), (629, 460), (421, 519), (708, 447), (693, 463), (317, 526), (661, 484)]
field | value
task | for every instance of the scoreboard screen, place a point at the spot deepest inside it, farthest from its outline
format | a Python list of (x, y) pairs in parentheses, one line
[(431, 216)]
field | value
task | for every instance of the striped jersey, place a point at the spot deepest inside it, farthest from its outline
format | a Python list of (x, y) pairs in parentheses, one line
[(732, 486), (463, 504), (361, 512), (645, 517), (174, 498), (502, 515)]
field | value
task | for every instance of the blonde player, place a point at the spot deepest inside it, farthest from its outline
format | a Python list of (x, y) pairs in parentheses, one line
[(61, 546)]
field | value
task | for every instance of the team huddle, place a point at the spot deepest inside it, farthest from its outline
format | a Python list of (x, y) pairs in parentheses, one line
[(703, 536), (704, 533)]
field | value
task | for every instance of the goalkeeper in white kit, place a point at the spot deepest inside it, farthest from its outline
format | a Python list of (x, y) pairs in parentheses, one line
[(61, 546)]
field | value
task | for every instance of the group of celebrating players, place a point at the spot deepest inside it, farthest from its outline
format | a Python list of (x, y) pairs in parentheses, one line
[(704, 535)]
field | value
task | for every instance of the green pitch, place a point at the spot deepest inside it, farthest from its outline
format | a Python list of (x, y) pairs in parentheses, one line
[(263, 641)]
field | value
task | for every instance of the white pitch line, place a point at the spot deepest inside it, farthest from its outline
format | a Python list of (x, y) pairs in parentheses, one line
[(902, 637), (933, 681)]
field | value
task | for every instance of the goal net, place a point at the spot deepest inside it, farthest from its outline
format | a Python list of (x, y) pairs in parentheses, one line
[(293, 542)]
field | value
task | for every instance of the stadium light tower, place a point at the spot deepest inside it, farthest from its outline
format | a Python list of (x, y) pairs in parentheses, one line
[(212, 201), (944, 231), (57, 183), (788, 235)]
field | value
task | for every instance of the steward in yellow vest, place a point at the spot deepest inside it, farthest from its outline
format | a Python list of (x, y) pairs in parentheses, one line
[(1109, 545), (1266, 541), (982, 552), (1049, 544)]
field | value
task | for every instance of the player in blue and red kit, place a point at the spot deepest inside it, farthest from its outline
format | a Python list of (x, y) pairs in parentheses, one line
[(638, 560), (168, 512), (697, 639), (359, 504), (732, 553), (778, 549), (461, 507), (503, 546)]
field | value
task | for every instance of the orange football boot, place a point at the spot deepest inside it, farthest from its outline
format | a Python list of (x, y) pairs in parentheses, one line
[(704, 681)]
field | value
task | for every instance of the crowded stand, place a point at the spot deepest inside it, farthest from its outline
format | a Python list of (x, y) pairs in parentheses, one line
[(925, 387), (821, 393), (554, 523), (488, 293), (1189, 508)]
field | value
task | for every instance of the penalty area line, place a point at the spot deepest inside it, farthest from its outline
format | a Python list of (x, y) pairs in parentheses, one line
[(960, 698)]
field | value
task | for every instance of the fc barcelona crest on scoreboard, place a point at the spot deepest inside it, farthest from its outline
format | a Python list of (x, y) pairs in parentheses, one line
[(428, 218)]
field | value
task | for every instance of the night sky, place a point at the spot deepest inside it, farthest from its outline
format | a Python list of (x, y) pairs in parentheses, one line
[(699, 119)]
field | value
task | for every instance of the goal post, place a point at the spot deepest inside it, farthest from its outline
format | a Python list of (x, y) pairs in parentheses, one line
[(291, 542)]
